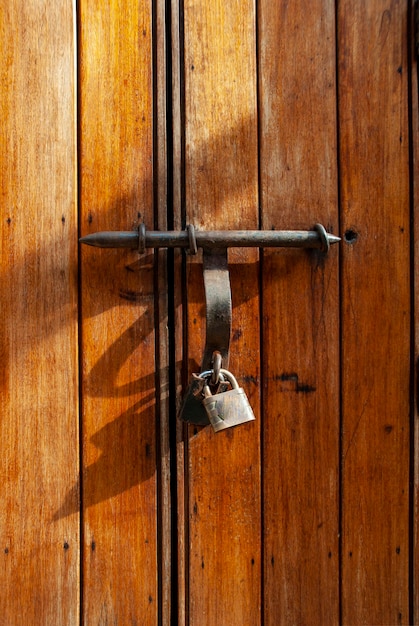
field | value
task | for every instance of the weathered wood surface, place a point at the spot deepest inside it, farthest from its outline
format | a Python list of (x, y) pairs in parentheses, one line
[(179, 305), (39, 397), (415, 189), (374, 175), (223, 470), (167, 568), (120, 499), (310, 475), (298, 170), (302, 517)]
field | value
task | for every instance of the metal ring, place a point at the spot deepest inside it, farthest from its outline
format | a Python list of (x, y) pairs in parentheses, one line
[(209, 373), (324, 239), (217, 361), (141, 238), (193, 248)]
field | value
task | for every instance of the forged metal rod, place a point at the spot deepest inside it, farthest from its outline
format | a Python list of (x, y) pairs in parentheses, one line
[(192, 239)]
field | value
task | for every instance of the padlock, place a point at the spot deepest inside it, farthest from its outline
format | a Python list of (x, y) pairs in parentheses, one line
[(192, 410), (228, 408)]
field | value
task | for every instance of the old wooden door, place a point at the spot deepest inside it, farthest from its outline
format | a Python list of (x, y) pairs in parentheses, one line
[(235, 115)]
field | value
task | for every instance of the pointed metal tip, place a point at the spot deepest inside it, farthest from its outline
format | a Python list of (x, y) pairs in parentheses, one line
[(111, 239), (333, 239), (94, 239), (84, 239)]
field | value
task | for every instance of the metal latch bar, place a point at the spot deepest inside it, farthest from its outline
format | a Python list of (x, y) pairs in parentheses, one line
[(141, 239)]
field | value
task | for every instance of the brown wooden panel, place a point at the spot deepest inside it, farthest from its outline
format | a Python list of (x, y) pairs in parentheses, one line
[(120, 566), (415, 434), (300, 315), (223, 469), (374, 151), (160, 168), (178, 319), (38, 410)]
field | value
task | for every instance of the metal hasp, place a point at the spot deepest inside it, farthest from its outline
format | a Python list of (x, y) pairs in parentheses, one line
[(216, 275), (218, 307)]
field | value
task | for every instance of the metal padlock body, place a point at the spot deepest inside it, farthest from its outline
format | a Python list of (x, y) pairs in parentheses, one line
[(192, 410), (229, 408)]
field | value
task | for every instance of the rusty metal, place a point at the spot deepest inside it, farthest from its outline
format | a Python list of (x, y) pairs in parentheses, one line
[(227, 409), (218, 331), (193, 247), (193, 239), (216, 361), (192, 409), (215, 246), (218, 307)]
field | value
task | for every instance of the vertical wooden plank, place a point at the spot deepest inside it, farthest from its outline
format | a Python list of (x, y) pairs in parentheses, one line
[(38, 421), (300, 314), (374, 159), (223, 490), (120, 565), (177, 195), (415, 169), (162, 328)]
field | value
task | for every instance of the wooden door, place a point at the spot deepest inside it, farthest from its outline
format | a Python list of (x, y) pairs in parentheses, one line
[(236, 115), (297, 114), (85, 466)]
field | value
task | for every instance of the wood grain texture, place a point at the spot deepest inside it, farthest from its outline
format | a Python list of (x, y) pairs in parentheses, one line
[(179, 307), (374, 158), (298, 169), (223, 469), (120, 566), (415, 408), (38, 336), (165, 451)]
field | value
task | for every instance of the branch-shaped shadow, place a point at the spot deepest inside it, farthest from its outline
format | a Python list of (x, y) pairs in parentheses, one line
[(127, 459)]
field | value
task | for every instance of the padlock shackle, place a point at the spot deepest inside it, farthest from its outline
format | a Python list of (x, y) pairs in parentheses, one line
[(230, 377)]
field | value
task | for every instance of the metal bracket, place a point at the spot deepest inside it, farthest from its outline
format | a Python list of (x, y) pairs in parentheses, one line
[(218, 307), (215, 269)]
